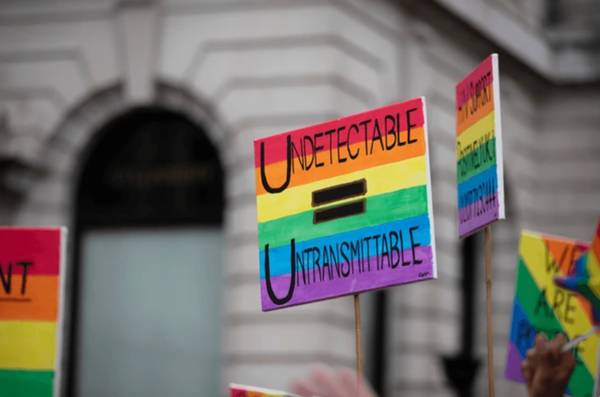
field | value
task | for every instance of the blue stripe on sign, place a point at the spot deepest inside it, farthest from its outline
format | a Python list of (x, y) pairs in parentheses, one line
[(487, 179), (520, 324), (279, 257)]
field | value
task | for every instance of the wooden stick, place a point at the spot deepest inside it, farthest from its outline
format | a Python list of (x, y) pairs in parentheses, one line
[(359, 361), (488, 284)]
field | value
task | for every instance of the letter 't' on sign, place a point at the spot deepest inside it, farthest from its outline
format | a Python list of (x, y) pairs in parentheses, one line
[(340, 205)]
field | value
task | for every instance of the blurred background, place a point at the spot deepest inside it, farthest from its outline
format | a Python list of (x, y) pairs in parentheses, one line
[(132, 122)]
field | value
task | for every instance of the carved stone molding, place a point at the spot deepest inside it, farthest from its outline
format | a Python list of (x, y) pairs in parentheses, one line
[(18, 165)]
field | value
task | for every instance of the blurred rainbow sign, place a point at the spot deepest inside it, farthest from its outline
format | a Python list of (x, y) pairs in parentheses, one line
[(541, 306), (345, 206), (248, 391), (31, 280), (480, 175)]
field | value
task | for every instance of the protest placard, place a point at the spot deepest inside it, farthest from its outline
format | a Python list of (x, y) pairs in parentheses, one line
[(540, 306), (480, 175), (345, 206), (479, 165), (32, 266)]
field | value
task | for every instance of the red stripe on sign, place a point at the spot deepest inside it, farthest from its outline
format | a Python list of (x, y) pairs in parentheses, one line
[(341, 132), (38, 250), (481, 77)]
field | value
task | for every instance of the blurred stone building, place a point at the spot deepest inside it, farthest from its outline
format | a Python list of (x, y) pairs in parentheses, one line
[(132, 123)]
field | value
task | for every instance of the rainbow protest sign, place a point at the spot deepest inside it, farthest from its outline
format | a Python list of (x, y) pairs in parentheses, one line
[(31, 268), (479, 148), (540, 306), (345, 206), (248, 391)]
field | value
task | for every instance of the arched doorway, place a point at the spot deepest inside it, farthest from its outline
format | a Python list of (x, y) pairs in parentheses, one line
[(148, 263)]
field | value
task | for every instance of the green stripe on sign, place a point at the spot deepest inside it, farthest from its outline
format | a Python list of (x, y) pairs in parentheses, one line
[(536, 307), (542, 317), (26, 383), (380, 209), (468, 163)]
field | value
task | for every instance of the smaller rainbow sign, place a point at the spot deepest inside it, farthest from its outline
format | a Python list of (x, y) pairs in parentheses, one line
[(248, 391), (31, 281), (479, 148), (586, 280), (541, 306)]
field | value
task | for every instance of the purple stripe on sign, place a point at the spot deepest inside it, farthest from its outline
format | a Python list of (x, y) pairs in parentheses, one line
[(353, 283), (468, 221), (513, 364)]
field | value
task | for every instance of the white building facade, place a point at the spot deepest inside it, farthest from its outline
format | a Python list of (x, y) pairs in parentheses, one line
[(244, 69)]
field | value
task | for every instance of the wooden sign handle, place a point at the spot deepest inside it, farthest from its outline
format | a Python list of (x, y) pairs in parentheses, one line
[(488, 285), (358, 327)]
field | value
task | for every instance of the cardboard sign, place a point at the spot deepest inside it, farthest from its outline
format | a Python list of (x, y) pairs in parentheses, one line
[(345, 206), (31, 281), (248, 391), (540, 306), (479, 148)]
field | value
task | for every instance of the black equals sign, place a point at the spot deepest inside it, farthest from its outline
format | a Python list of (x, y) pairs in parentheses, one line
[(338, 193)]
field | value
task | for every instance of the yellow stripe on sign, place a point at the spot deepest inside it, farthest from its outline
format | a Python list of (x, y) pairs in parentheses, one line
[(535, 251), (383, 179), (27, 345), (483, 128), (594, 271), (593, 266)]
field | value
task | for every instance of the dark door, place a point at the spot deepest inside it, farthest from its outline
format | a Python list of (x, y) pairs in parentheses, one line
[(149, 272)]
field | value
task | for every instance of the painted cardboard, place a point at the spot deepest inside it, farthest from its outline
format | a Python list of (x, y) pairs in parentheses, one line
[(345, 206), (32, 275)]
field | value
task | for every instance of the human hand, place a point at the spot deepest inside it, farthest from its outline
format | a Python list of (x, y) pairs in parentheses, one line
[(547, 370), (327, 382)]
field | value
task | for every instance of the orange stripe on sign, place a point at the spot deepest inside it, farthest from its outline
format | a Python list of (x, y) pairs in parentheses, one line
[(38, 303), (276, 173), (464, 118)]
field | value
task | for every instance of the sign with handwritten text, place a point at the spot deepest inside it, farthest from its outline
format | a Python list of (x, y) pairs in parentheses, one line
[(31, 277), (249, 391), (540, 306), (345, 206), (480, 175)]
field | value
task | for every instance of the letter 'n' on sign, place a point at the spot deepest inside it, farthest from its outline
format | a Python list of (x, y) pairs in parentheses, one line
[(345, 207)]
